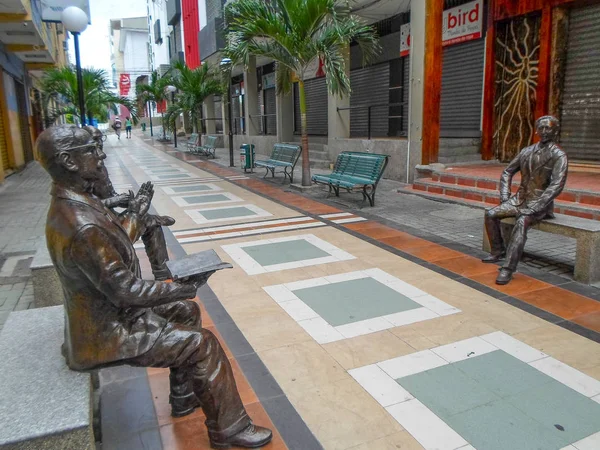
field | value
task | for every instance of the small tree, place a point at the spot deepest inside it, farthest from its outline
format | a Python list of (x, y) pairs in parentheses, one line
[(193, 87), (295, 33), (154, 92), (59, 86)]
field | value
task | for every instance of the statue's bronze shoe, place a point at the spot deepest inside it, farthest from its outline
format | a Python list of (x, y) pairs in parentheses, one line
[(183, 405), (252, 436), (494, 258), (504, 276)]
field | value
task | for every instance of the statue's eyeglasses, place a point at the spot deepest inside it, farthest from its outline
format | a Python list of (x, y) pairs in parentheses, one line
[(91, 147)]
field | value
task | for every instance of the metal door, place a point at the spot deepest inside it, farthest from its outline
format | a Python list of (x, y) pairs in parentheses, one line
[(316, 107), (370, 87), (24, 122), (580, 112), (270, 111), (462, 89)]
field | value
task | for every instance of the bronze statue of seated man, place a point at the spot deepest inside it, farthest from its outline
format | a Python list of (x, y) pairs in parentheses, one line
[(112, 315), (543, 168)]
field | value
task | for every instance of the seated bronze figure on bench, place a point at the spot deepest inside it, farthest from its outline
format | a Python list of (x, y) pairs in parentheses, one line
[(112, 315), (543, 168)]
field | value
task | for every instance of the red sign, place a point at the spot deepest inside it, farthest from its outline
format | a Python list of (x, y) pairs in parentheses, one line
[(161, 107), (460, 24), (124, 84), (463, 23)]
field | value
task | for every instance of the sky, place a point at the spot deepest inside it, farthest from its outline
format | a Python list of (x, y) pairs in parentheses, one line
[(94, 42)]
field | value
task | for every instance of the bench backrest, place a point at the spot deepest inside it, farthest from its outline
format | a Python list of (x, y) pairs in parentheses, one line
[(361, 164), (193, 138), (287, 153), (210, 141)]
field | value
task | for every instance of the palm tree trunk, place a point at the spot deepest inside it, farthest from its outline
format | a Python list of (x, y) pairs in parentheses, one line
[(305, 158)]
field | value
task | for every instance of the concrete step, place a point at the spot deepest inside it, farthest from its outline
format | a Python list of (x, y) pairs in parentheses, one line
[(318, 154), (311, 139), (315, 163), (453, 159), (485, 193), (460, 151)]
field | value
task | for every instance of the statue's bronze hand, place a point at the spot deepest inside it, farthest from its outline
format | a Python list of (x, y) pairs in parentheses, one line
[(123, 200), (526, 212), (200, 280)]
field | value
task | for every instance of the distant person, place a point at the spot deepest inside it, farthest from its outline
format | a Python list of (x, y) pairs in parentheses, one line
[(117, 127), (128, 127)]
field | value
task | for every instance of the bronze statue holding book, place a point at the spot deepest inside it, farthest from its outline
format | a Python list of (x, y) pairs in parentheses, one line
[(112, 315)]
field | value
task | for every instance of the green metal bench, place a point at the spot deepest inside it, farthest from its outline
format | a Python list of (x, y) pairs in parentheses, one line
[(354, 170), (192, 142), (209, 148), (283, 156)]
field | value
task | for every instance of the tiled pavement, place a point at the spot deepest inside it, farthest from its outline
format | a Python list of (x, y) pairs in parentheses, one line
[(360, 373), (358, 332), (23, 207)]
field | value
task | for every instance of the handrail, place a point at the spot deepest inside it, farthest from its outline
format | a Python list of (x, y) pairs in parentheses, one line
[(369, 107)]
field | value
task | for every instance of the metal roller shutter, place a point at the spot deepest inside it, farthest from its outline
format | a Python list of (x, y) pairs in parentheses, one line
[(462, 89), (4, 162), (24, 122), (580, 112), (370, 86), (271, 108), (218, 116), (316, 107), (406, 95)]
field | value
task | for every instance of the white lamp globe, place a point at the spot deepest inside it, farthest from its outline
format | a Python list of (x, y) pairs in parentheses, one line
[(171, 89), (74, 19)]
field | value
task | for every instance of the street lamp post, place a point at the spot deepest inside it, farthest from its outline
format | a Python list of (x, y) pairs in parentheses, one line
[(226, 65), (172, 90), (75, 20)]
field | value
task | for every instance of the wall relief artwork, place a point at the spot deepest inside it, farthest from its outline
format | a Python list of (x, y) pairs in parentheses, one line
[(517, 58)]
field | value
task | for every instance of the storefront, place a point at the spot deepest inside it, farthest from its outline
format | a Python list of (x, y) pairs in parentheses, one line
[(267, 99), (543, 59), (315, 90)]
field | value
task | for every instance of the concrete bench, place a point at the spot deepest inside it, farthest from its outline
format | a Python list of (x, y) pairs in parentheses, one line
[(43, 404), (47, 290), (585, 231)]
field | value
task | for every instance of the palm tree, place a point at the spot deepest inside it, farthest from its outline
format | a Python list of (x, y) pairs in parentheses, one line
[(60, 85), (295, 33), (193, 87), (154, 92)]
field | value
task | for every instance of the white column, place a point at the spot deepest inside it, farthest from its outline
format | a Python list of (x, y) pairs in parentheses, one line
[(251, 99), (418, 18), (208, 109), (338, 122)]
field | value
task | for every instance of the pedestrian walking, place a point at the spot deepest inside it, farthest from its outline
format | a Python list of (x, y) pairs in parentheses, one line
[(128, 127), (117, 127)]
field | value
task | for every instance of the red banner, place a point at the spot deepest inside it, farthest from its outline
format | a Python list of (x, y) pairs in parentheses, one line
[(161, 107), (124, 84)]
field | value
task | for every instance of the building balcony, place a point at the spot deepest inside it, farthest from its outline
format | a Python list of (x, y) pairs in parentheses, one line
[(36, 43)]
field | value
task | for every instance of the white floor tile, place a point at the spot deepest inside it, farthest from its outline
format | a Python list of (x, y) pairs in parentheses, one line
[(406, 289), (513, 346), (378, 383), (589, 443), (427, 428), (320, 330), (411, 316), (436, 305), (350, 276), (418, 362), (363, 327), (303, 284), (461, 350), (573, 378), (298, 310), (280, 293)]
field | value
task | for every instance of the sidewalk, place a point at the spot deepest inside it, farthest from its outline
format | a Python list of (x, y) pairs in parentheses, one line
[(347, 329), (24, 201), (383, 335)]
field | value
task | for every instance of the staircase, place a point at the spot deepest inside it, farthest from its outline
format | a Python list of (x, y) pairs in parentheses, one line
[(482, 192), (318, 155)]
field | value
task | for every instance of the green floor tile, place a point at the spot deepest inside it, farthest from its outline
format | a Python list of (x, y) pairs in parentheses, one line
[(557, 406), (284, 252), (196, 199), (200, 187), (501, 426), (173, 177), (447, 391), (355, 300), (227, 213), (532, 411), (502, 373)]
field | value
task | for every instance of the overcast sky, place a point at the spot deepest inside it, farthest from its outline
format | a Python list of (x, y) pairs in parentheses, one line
[(94, 41)]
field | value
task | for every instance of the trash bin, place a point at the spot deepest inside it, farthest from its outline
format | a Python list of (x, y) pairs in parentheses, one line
[(143, 126), (247, 156)]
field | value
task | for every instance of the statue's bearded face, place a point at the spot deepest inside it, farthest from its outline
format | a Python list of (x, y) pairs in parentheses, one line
[(547, 130), (89, 162)]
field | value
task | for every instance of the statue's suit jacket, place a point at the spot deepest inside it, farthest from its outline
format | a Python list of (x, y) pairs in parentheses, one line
[(108, 315), (541, 181)]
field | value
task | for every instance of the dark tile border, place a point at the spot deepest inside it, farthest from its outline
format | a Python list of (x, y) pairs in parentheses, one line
[(551, 279), (290, 425)]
